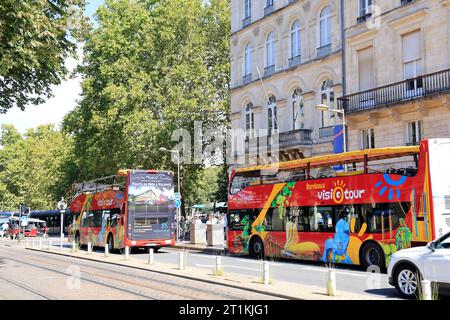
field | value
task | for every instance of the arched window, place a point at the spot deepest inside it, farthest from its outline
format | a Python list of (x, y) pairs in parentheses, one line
[(325, 27), (270, 50), (298, 116), (295, 40), (249, 120), (272, 121), (248, 59), (327, 98)]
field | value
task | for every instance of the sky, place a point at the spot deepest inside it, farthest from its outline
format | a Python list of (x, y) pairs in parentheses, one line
[(54, 109)]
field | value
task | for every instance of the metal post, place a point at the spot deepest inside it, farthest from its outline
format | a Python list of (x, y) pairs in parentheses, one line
[(26, 242), (178, 209), (331, 285), (426, 290), (74, 246), (218, 264), (181, 261), (127, 253), (32, 243), (40, 243), (62, 228), (150, 256), (49, 244), (106, 250), (89, 248), (266, 276)]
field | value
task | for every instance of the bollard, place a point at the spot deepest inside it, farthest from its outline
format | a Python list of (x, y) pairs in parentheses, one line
[(26, 242), (127, 253), (61, 243), (331, 285), (218, 265), (74, 246), (32, 243), (426, 290), (106, 250), (89, 248), (49, 244), (40, 243), (266, 277), (181, 261), (150, 256)]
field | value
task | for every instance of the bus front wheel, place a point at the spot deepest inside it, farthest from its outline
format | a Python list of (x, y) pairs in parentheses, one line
[(372, 255), (256, 248)]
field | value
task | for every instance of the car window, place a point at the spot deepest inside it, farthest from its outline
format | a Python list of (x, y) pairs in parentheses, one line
[(444, 243)]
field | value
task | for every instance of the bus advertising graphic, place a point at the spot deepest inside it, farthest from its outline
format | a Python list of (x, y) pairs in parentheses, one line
[(358, 216)]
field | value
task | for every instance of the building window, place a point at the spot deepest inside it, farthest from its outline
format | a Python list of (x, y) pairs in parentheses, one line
[(298, 117), (325, 27), (415, 132), (272, 121), (247, 8), (364, 9), (295, 40), (270, 50), (249, 120), (327, 98), (412, 63), (248, 59), (368, 139)]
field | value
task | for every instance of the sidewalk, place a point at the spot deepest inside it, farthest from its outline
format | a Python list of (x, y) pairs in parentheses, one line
[(279, 289), (201, 247)]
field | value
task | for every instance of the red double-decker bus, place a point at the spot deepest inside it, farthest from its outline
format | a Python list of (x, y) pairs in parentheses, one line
[(385, 200), (134, 208)]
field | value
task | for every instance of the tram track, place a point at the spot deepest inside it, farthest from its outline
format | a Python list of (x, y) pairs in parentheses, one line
[(27, 288), (156, 286)]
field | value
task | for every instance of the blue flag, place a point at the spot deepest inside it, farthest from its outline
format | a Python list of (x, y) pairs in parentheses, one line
[(338, 145)]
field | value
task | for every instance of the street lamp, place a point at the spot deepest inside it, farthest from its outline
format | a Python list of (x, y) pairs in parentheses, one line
[(178, 175)]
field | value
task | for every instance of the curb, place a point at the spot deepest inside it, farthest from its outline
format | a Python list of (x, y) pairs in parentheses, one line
[(278, 295), (205, 250)]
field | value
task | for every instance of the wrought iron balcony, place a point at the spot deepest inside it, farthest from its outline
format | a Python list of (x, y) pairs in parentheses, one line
[(246, 22), (269, 70), (268, 10), (324, 51), (295, 61), (364, 17), (398, 92), (247, 78), (286, 140)]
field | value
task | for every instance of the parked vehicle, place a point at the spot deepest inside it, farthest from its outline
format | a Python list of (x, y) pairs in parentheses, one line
[(431, 262)]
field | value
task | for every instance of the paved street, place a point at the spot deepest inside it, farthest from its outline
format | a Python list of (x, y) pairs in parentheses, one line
[(26, 274), (349, 279)]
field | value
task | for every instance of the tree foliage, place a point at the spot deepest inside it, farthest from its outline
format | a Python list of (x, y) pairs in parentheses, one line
[(150, 67), (35, 39), (31, 167)]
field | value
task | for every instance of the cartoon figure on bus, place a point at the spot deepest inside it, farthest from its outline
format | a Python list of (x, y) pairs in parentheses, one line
[(403, 237), (336, 248), (282, 199), (243, 238)]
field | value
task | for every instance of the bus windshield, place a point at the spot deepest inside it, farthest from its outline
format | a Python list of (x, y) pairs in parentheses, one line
[(150, 204)]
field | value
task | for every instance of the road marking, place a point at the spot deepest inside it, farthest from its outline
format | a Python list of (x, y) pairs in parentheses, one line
[(227, 266)]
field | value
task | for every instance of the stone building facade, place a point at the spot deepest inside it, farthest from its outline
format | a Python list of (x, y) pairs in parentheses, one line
[(290, 55)]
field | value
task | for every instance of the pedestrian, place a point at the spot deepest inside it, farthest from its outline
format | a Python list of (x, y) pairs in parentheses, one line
[(214, 220), (5, 228)]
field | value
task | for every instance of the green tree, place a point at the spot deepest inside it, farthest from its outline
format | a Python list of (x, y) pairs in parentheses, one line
[(36, 37), (150, 67), (31, 167)]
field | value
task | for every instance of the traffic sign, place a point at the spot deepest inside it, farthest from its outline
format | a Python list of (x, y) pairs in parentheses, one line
[(177, 195), (177, 203), (62, 205)]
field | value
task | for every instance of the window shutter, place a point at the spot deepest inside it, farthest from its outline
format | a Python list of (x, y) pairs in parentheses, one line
[(411, 47), (365, 60)]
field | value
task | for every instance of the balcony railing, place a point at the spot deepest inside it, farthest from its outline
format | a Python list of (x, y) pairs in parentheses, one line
[(402, 91), (326, 132), (324, 51), (364, 17), (290, 139), (247, 21), (294, 61), (247, 78), (269, 70), (268, 10)]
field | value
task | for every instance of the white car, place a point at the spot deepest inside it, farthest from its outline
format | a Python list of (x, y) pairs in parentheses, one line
[(431, 262)]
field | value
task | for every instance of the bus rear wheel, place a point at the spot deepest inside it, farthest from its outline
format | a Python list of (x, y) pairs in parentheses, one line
[(256, 248), (372, 256)]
